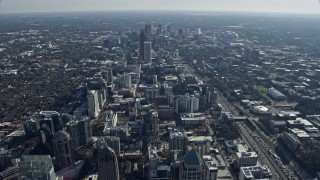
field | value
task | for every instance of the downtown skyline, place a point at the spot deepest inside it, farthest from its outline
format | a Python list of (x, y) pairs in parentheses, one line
[(283, 6)]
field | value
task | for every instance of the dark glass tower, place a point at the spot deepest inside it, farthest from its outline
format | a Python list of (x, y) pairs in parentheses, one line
[(141, 45), (108, 168)]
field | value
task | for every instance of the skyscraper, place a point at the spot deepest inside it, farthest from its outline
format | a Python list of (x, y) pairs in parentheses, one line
[(186, 103), (147, 52), (194, 103), (141, 45), (109, 75), (159, 30), (80, 131), (192, 167), (93, 104), (178, 143), (182, 104), (36, 167), (108, 168), (30, 128), (153, 162), (48, 123), (153, 126), (168, 28), (113, 142), (63, 148), (124, 81), (149, 31), (151, 93)]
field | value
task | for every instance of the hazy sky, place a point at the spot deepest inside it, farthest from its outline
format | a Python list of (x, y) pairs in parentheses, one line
[(297, 6)]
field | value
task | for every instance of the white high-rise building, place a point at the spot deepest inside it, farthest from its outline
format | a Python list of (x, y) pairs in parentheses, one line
[(93, 104), (178, 141), (194, 104), (147, 52), (187, 104)]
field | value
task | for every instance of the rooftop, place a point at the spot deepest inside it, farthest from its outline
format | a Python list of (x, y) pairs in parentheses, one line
[(246, 154), (300, 121), (200, 138), (192, 158)]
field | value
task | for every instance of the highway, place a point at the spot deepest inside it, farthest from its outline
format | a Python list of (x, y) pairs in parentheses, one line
[(226, 105), (279, 170)]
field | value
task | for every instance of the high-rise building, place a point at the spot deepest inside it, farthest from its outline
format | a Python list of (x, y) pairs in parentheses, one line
[(159, 30), (180, 32), (187, 103), (36, 167), (168, 28), (48, 123), (63, 148), (141, 45), (151, 93), (80, 131), (246, 159), (291, 141), (192, 167), (147, 52), (102, 96), (153, 126), (178, 142), (93, 104), (155, 79), (153, 162), (168, 89), (149, 31), (124, 81), (198, 31), (211, 166), (181, 104), (6, 157), (30, 128), (113, 142), (110, 75), (108, 168), (194, 104)]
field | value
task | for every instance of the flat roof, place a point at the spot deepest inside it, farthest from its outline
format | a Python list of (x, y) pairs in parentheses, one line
[(246, 154), (223, 173), (200, 138), (300, 121), (300, 133)]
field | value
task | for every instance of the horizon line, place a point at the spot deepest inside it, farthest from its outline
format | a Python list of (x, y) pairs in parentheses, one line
[(166, 10)]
